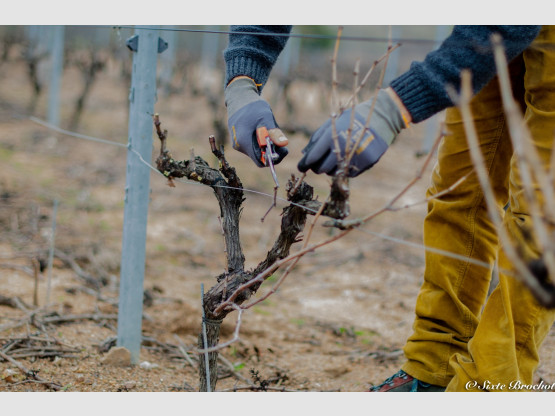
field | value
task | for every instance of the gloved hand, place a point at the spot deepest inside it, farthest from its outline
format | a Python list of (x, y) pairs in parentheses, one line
[(247, 111), (385, 124)]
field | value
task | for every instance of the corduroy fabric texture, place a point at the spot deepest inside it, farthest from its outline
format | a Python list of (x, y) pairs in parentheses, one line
[(463, 339)]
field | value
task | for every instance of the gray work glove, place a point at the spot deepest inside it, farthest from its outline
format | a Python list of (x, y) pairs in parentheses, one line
[(385, 124), (246, 112)]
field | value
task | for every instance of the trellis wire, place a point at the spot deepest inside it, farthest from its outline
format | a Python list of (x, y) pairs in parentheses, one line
[(268, 195), (371, 39), (288, 35), (142, 160)]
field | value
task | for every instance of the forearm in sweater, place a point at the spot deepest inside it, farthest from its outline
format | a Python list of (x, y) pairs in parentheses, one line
[(422, 88), (254, 55)]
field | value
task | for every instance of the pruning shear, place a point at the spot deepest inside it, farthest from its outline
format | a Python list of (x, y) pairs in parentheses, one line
[(268, 153)]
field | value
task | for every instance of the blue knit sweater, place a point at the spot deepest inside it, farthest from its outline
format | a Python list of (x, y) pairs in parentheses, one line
[(421, 88)]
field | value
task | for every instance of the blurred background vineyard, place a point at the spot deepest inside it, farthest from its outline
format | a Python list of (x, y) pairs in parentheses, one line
[(339, 321)]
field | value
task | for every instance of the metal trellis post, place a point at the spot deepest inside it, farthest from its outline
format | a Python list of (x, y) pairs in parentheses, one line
[(393, 61), (142, 96), (57, 67), (210, 48), (168, 61)]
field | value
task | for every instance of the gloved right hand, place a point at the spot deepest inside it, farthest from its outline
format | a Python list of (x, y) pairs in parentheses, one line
[(246, 112), (386, 123)]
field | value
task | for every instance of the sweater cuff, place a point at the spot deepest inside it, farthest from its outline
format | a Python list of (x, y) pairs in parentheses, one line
[(417, 97), (249, 67)]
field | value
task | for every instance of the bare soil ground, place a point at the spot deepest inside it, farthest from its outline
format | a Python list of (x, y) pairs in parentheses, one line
[(338, 323)]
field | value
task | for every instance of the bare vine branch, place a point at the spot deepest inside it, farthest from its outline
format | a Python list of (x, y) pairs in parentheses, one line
[(218, 302), (30, 374), (351, 153)]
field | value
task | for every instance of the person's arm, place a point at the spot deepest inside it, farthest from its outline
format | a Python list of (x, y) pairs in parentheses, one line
[(254, 55), (249, 58), (414, 96), (422, 88)]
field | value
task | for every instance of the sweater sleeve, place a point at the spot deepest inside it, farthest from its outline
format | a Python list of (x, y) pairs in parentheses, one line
[(422, 88), (254, 55)]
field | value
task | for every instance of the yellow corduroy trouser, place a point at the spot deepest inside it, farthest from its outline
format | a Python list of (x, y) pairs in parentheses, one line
[(462, 338)]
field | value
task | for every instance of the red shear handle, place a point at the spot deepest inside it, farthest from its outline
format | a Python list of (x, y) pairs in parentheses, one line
[(261, 136)]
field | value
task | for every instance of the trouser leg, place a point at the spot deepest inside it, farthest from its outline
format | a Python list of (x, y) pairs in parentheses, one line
[(504, 349), (452, 296)]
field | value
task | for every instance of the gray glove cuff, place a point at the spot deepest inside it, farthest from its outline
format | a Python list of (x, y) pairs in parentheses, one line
[(386, 120), (239, 93)]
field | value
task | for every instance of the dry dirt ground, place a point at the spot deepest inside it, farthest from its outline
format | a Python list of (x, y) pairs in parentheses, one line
[(338, 322)]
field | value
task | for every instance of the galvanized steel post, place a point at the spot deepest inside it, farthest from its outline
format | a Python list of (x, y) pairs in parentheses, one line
[(56, 70), (392, 69), (142, 97)]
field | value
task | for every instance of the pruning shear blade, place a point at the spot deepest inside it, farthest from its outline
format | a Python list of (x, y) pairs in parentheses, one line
[(270, 156), (268, 152)]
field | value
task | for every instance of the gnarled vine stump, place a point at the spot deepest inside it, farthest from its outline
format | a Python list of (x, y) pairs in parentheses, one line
[(229, 193)]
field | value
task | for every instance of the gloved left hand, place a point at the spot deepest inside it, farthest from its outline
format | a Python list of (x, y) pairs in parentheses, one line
[(386, 123), (246, 112)]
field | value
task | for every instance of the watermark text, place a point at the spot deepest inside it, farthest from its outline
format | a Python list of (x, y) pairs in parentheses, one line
[(517, 385)]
